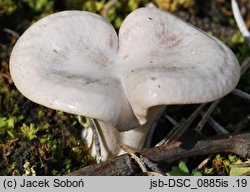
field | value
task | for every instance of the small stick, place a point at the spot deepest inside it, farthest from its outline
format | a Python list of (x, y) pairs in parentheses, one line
[(13, 33), (153, 127), (133, 156), (204, 162), (107, 8), (245, 65), (153, 166), (206, 115), (153, 174), (3, 75), (173, 121), (241, 94), (217, 127), (176, 133)]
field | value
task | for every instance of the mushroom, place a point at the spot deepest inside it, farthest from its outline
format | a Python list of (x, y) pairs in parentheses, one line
[(75, 62)]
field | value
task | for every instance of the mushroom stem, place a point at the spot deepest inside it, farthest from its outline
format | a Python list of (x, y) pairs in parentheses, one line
[(110, 139)]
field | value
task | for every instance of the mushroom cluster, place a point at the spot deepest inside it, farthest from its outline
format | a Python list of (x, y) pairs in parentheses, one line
[(74, 61)]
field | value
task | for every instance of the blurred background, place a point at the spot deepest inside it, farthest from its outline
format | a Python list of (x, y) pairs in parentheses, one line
[(33, 139)]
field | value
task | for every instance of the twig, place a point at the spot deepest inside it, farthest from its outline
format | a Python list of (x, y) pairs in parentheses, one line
[(172, 152), (107, 7), (217, 127), (153, 166), (133, 156), (13, 33), (176, 133), (245, 65), (180, 130), (121, 165), (241, 94), (153, 127), (173, 121), (6, 76), (176, 127), (206, 115), (240, 22), (154, 174), (204, 162)]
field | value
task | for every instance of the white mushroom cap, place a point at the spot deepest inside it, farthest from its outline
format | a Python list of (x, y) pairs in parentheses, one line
[(73, 61), (65, 61), (170, 61)]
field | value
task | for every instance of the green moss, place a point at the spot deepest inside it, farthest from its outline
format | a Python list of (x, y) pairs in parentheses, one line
[(182, 170), (7, 7), (39, 6), (29, 131), (40, 136), (7, 127)]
